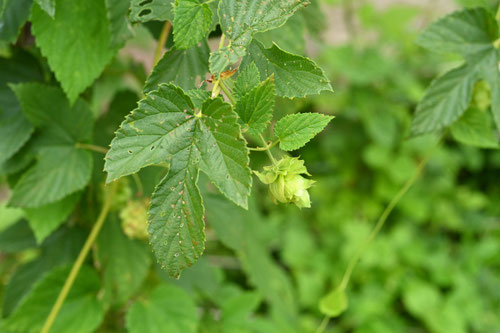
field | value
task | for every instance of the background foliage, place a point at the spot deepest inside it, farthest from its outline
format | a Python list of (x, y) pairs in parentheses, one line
[(435, 267)]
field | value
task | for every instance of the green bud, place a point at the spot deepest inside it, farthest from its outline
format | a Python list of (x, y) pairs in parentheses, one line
[(134, 218), (286, 183)]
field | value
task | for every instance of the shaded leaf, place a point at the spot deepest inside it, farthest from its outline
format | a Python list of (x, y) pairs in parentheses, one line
[(14, 15), (120, 29), (151, 10)]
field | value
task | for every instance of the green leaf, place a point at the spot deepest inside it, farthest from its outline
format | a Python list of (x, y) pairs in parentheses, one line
[(75, 42), (240, 20), (334, 304), (192, 21), (248, 78), (45, 219), (15, 130), (182, 67), (125, 262), (16, 238), (445, 100), (152, 10), (295, 130), (14, 16), (82, 303), (168, 309), (294, 76), (49, 6), (289, 37), (120, 29), (256, 108), (474, 128), (466, 32), (490, 72)]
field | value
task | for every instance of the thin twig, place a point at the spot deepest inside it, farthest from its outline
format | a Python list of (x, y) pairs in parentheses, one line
[(162, 40)]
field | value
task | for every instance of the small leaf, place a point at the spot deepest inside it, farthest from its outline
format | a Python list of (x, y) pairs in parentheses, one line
[(466, 32), (14, 15), (294, 76), (445, 100), (295, 130), (75, 42), (334, 304), (192, 21), (256, 108), (151, 10), (474, 128), (182, 67), (248, 78), (167, 309)]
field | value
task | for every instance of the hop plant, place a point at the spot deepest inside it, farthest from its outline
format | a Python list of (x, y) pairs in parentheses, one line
[(286, 183)]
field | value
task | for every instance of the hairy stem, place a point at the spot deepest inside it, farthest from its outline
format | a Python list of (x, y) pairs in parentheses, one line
[(268, 151), (227, 92), (110, 192), (162, 40), (95, 148)]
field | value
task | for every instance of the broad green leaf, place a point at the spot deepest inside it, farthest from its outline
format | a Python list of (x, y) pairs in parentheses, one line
[(14, 15), (125, 262), (295, 130), (82, 303), (289, 37), (192, 21), (474, 128), (19, 160), (60, 171), (256, 107), (16, 238), (334, 304), (49, 6), (120, 29), (466, 32), (151, 10), (248, 78), (76, 42), (167, 309), (182, 67), (45, 219), (445, 100), (294, 76), (240, 20)]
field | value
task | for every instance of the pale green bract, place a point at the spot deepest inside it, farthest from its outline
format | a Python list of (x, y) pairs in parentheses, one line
[(192, 21), (240, 20), (295, 130)]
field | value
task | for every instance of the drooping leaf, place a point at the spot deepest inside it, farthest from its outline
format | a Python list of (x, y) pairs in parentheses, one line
[(445, 101), (182, 67), (14, 15), (45, 219), (81, 29), (474, 128), (240, 20), (120, 29), (294, 76), (151, 10), (82, 303), (295, 130), (256, 107), (49, 6), (466, 32), (248, 78), (167, 309), (334, 303), (125, 262), (192, 21)]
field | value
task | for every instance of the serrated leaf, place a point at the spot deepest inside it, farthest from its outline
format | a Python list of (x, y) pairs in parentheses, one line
[(167, 309), (125, 262), (466, 32), (294, 76), (192, 21), (474, 128), (182, 67), (45, 219), (152, 10), (49, 6), (82, 303), (14, 15), (256, 108), (75, 42), (295, 130), (120, 29), (248, 78), (334, 304), (445, 100), (240, 20), (198, 96)]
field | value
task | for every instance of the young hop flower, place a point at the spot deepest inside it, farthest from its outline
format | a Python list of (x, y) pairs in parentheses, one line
[(286, 183)]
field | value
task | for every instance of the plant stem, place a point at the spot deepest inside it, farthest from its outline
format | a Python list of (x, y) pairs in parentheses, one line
[(380, 223), (323, 324), (216, 83), (268, 151), (79, 260), (227, 92), (95, 148), (267, 147), (162, 40)]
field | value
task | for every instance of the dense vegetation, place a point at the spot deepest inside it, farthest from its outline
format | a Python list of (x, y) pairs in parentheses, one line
[(221, 186)]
